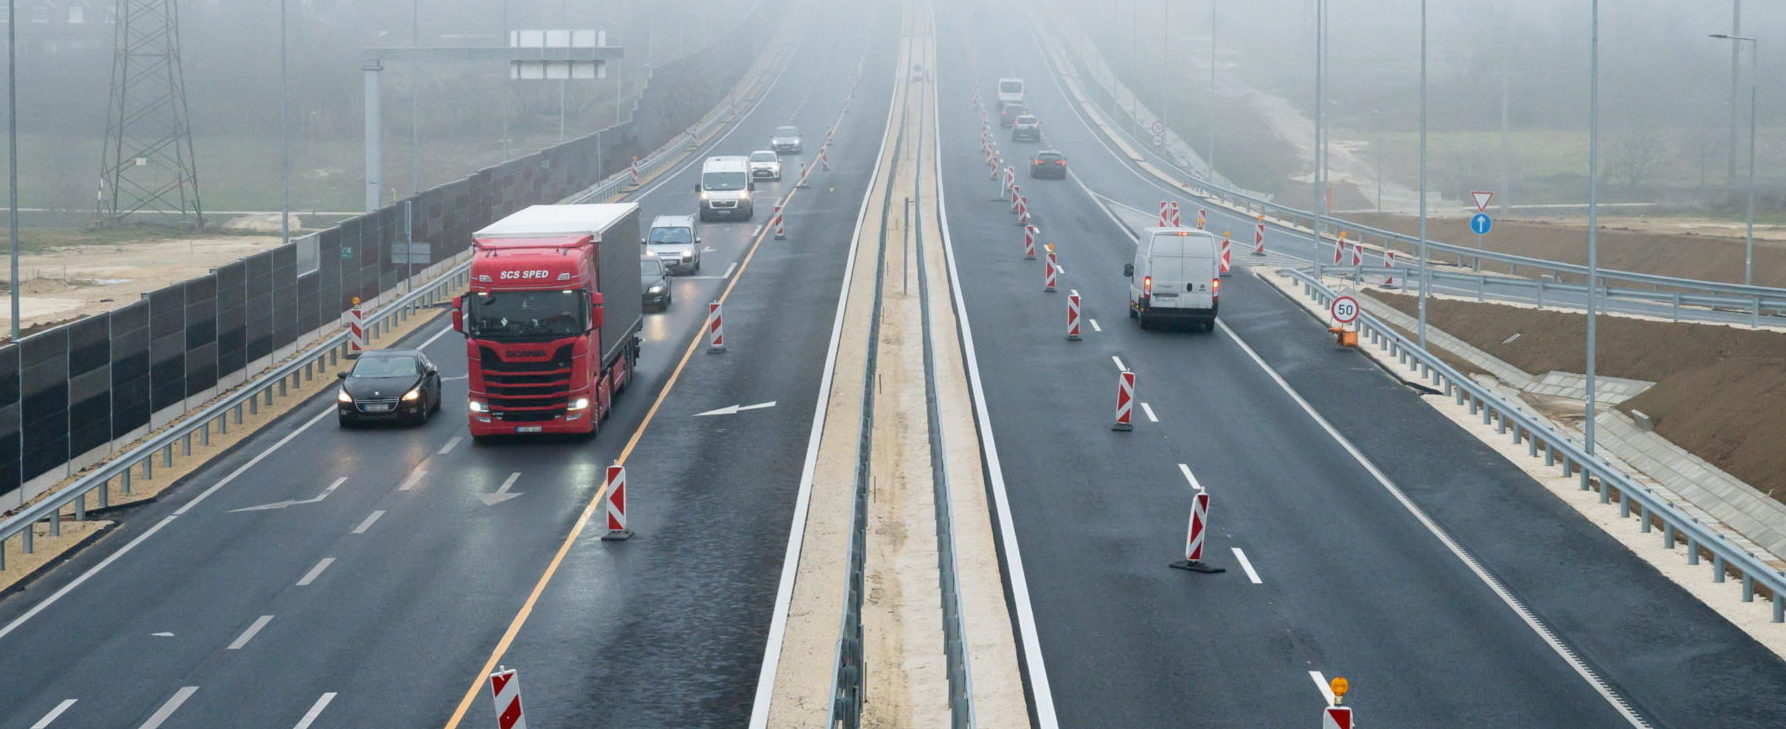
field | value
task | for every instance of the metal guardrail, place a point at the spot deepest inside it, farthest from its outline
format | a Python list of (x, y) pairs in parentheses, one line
[(301, 368), (1751, 297), (1561, 451), (1679, 305)]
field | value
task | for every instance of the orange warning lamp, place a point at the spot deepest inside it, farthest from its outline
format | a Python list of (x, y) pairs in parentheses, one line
[(1339, 685)]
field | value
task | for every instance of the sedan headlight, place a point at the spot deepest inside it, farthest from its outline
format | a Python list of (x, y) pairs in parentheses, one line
[(688, 255), (478, 406), (581, 403), (341, 396), (655, 289), (413, 395)]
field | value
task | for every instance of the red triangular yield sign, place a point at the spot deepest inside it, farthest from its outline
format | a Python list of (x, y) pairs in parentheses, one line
[(1482, 199)]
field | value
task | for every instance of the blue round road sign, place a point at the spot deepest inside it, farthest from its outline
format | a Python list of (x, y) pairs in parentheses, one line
[(1479, 223)]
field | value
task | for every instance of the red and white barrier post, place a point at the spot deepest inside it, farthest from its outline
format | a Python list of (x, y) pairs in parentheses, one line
[(824, 157), (1049, 269), (781, 231), (1339, 248), (1337, 715), (505, 693), (1073, 315), (1165, 214), (1029, 242), (616, 499), (1177, 222), (356, 330), (1259, 236), (1125, 401), (633, 172), (1023, 210), (716, 329), (1016, 198), (1389, 263), (1202, 218), (1227, 253), (1197, 536), (1357, 253)]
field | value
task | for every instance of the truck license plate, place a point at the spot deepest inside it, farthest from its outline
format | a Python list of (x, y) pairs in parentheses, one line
[(527, 429)]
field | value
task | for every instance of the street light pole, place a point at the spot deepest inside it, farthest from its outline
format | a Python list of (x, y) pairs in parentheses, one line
[(1425, 280), (12, 154), (284, 135), (1212, 100), (1320, 116), (1593, 213), (1754, 77)]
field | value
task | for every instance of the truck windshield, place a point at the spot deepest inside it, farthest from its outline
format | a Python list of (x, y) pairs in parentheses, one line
[(525, 314), (723, 181), (1010, 87), (670, 235)]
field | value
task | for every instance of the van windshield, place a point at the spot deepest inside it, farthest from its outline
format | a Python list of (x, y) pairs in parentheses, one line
[(1011, 87), (723, 181)]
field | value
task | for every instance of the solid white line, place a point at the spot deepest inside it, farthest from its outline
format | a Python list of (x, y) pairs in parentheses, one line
[(173, 704), (1119, 365), (1247, 565), (1320, 680), (315, 711), (450, 444), (784, 591), (1513, 603), (1148, 409), (1041, 695), (415, 477), (315, 572), (1094, 325), (371, 519), (437, 335), (56, 712), (76, 582), (1186, 470), (248, 635)]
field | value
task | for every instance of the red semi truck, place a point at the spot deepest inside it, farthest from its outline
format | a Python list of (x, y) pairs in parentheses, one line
[(552, 320)]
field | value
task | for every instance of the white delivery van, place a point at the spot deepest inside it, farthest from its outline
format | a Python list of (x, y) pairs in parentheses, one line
[(1010, 89), (725, 188), (1176, 277)]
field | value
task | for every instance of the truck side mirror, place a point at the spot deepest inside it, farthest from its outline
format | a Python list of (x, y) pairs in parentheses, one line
[(458, 314), (596, 310), (1128, 269)]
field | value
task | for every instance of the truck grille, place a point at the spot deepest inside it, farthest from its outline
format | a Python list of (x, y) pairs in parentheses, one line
[(527, 391)]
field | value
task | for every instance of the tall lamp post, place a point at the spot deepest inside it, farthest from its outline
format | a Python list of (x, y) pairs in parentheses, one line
[(12, 155), (1754, 75), (1593, 220), (1424, 279)]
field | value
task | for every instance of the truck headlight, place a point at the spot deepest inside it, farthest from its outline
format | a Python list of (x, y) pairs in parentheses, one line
[(341, 396), (581, 403), (478, 406)]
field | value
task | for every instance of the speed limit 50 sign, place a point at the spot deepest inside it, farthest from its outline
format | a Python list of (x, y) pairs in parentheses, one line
[(1344, 309)]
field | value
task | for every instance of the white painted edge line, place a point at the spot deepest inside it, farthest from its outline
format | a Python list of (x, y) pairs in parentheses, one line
[(1320, 680), (371, 519), (790, 564), (1094, 325), (443, 331), (1247, 565), (54, 713), (167, 709), (715, 142), (1148, 410), (1186, 470), (416, 476), (1120, 367), (450, 445), (315, 572), (248, 635), (1587, 673), (1041, 694), (315, 711)]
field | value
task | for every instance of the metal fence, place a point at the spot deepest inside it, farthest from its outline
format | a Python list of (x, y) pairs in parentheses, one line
[(1561, 451), (1675, 304)]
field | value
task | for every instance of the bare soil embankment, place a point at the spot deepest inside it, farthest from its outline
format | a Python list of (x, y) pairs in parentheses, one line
[(1720, 391)]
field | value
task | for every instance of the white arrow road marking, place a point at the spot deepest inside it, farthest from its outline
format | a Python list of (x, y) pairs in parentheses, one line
[(56, 712), (502, 492), (282, 504), (735, 409), (315, 711), (173, 704), (248, 635)]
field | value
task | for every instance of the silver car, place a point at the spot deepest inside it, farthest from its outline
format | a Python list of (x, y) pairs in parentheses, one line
[(765, 165), (785, 140), (673, 241)]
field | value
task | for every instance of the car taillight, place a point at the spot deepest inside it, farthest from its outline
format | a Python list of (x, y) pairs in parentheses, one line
[(1147, 284), (1062, 163)]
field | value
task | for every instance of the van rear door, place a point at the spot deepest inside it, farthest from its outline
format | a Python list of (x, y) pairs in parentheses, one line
[(1183, 271)]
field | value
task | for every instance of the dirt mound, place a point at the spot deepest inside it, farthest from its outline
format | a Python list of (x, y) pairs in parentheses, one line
[(1711, 258), (1720, 391)]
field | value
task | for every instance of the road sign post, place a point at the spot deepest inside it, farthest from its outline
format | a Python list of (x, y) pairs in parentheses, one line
[(1480, 224)]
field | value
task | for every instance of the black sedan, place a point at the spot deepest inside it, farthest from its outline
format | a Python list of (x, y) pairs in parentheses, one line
[(389, 384), (1048, 163), (654, 281)]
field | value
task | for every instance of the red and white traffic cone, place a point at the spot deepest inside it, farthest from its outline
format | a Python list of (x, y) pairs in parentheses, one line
[(1165, 214), (356, 330), (1193, 545), (1029, 242), (1202, 218), (1023, 210), (1227, 253), (1389, 263), (1073, 315), (1259, 236), (1177, 221), (616, 498), (505, 693), (1049, 269), (716, 329), (1125, 401)]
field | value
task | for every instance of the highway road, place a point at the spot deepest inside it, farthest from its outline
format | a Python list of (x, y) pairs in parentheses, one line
[(1380, 541), (380, 603)]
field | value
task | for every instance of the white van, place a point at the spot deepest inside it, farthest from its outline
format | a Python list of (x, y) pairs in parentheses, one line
[(1176, 277), (1010, 89), (725, 188)]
